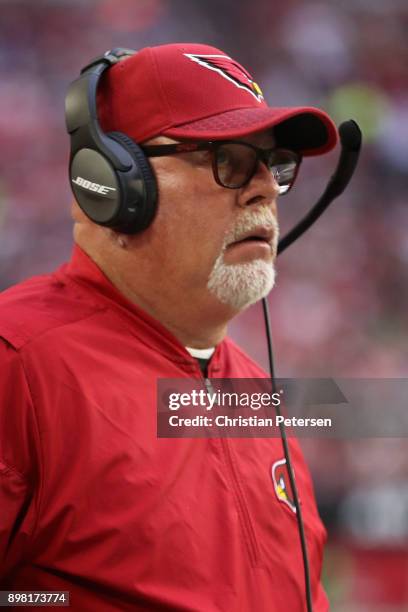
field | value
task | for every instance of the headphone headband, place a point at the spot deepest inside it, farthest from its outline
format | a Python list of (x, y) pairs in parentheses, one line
[(110, 57)]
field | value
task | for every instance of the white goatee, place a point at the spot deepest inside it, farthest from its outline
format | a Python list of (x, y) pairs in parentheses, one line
[(240, 285)]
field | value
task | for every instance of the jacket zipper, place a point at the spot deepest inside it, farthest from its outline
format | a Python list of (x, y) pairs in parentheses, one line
[(242, 507)]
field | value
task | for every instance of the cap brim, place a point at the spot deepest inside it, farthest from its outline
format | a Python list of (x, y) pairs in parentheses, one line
[(307, 130)]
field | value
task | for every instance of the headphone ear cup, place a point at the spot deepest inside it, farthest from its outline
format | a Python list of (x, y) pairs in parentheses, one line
[(147, 203)]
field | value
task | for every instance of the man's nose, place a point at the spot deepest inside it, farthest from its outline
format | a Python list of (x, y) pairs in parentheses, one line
[(263, 187)]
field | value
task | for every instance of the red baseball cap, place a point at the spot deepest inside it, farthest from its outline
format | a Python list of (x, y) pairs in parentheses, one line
[(197, 92)]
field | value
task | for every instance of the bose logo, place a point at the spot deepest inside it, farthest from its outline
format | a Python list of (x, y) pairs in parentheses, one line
[(103, 189)]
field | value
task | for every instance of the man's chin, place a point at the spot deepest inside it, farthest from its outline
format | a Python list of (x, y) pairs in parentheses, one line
[(240, 285)]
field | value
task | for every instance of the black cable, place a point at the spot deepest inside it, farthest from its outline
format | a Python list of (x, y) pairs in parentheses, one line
[(350, 139), (306, 566)]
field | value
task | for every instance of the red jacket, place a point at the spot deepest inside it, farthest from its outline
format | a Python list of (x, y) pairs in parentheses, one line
[(92, 502)]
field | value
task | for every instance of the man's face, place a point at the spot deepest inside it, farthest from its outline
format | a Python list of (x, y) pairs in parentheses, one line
[(209, 239)]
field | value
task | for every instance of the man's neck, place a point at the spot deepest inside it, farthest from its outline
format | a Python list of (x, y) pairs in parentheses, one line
[(188, 322), (194, 317)]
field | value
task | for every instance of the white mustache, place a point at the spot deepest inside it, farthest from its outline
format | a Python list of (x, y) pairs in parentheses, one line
[(250, 220)]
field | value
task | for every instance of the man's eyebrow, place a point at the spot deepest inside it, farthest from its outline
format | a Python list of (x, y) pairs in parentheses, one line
[(264, 143)]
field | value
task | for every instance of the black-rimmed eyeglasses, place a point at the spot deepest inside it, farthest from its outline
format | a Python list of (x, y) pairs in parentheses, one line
[(234, 163)]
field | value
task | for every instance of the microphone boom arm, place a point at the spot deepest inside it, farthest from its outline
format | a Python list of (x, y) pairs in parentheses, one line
[(350, 139)]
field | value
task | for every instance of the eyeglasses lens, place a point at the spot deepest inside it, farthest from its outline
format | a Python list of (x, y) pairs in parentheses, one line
[(283, 165), (236, 164)]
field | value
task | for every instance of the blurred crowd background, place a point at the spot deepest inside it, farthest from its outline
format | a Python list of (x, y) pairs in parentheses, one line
[(341, 302)]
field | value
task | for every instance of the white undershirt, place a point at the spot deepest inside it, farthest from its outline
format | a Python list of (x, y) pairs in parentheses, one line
[(201, 353)]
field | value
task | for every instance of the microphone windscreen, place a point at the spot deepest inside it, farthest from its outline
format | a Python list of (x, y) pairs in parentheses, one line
[(350, 135)]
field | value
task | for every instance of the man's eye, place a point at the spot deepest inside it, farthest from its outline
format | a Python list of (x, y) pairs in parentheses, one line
[(223, 157)]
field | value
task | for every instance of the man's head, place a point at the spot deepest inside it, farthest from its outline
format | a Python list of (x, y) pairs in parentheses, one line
[(212, 243)]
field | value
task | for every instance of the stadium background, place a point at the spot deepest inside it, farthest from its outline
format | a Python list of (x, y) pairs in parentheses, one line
[(340, 306)]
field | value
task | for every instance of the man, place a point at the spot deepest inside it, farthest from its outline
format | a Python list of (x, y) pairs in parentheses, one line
[(92, 502)]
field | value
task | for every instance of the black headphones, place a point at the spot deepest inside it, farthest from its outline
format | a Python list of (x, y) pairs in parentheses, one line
[(110, 175)]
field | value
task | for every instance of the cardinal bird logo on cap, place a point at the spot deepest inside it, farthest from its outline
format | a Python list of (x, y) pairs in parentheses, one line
[(230, 70), (281, 483)]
